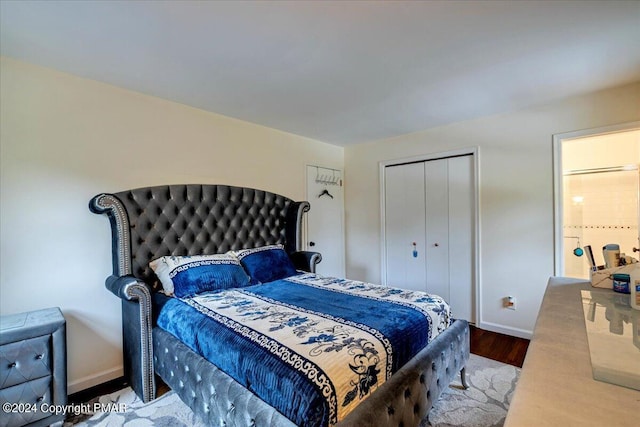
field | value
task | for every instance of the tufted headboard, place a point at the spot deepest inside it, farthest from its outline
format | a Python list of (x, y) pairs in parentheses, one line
[(194, 219)]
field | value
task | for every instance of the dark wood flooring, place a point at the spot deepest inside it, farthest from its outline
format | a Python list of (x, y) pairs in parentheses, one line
[(500, 347)]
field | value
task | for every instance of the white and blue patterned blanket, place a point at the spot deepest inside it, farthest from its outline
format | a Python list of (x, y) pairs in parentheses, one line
[(311, 346)]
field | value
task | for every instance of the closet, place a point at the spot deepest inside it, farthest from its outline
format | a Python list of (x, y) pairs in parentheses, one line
[(429, 229)]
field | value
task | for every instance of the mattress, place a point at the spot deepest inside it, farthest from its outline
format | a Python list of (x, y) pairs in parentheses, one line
[(312, 347)]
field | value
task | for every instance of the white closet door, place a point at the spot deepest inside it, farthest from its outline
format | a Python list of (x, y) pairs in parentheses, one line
[(437, 227), (404, 225), (461, 232), (325, 231), (432, 203)]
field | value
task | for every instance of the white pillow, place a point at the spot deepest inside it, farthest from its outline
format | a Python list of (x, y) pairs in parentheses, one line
[(189, 275)]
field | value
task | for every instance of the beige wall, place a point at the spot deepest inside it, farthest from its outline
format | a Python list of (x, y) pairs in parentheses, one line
[(601, 151), (64, 139), (516, 195)]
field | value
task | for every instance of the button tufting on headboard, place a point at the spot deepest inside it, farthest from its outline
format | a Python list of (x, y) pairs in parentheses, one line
[(173, 216), (194, 219)]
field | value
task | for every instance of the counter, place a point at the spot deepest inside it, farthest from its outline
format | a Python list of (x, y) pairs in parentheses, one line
[(556, 386)]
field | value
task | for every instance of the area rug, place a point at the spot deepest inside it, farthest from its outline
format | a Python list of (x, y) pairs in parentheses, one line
[(484, 404)]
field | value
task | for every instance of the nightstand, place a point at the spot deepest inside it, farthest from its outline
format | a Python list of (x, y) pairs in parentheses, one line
[(33, 368)]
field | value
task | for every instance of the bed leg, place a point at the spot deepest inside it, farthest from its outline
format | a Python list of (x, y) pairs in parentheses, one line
[(463, 378)]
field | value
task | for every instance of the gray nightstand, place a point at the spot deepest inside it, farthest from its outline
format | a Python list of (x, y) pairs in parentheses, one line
[(33, 367)]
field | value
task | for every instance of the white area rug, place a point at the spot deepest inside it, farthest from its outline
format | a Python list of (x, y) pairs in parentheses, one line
[(484, 404)]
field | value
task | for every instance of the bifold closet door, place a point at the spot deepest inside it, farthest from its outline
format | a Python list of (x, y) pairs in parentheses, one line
[(461, 231), (404, 226), (437, 226), (431, 203)]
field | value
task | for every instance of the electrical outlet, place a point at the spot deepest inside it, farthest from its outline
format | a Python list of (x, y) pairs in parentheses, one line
[(509, 302)]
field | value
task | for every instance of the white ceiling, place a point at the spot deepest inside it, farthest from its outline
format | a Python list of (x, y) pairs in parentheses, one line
[(338, 72)]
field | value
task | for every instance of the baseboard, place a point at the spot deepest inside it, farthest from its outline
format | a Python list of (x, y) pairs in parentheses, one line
[(507, 330), (95, 379)]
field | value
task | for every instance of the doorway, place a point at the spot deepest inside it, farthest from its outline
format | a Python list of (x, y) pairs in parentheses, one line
[(597, 187)]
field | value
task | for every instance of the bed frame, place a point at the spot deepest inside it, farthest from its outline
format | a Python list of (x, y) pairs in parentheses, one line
[(198, 219)]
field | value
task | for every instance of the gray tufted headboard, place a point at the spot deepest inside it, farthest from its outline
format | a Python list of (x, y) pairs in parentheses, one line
[(194, 220)]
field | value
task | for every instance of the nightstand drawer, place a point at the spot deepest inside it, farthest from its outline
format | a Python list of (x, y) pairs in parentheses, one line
[(28, 396), (33, 367), (25, 360)]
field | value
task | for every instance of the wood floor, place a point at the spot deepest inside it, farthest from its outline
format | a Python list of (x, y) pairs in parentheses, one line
[(500, 347)]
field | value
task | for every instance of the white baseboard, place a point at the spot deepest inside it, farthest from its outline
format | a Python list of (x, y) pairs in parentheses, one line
[(95, 379), (507, 330)]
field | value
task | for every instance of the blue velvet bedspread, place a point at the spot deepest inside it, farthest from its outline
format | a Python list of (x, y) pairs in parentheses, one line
[(313, 347)]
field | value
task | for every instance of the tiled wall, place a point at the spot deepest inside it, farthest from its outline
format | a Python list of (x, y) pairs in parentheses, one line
[(599, 208)]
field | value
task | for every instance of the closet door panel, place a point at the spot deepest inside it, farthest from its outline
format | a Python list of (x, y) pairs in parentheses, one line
[(404, 224), (437, 227), (461, 232)]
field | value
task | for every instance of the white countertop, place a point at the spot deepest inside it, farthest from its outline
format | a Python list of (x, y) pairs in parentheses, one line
[(556, 387)]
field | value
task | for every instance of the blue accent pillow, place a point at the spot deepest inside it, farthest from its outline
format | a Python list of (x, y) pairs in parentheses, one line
[(267, 263), (185, 276)]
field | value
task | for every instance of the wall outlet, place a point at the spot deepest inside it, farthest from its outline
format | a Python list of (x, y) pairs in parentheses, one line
[(509, 302)]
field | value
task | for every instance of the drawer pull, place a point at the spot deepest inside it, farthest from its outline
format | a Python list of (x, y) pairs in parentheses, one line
[(12, 365), (39, 356)]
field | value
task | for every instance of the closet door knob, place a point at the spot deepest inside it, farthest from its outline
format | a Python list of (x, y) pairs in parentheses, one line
[(312, 244), (436, 244)]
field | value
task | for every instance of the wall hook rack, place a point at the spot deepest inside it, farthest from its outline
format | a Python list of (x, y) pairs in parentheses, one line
[(328, 176)]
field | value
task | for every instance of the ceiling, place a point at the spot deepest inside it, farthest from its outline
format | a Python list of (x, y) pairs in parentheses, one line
[(339, 72)]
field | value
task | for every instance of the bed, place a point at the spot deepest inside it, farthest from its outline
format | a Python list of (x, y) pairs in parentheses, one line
[(192, 220)]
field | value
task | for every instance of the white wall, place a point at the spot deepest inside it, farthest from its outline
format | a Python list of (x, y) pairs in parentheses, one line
[(516, 195), (64, 139)]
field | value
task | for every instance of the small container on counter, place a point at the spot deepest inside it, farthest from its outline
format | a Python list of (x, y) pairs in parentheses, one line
[(621, 283)]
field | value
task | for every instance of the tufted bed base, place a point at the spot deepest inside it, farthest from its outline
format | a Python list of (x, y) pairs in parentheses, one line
[(404, 400), (207, 219)]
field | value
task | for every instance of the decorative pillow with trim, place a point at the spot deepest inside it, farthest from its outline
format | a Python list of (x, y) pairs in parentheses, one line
[(184, 276), (266, 263)]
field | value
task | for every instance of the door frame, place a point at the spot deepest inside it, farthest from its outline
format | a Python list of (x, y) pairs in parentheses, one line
[(558, 212), (475, 154)]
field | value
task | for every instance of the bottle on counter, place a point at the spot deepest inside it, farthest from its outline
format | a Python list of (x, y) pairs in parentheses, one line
[(634, 287)]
